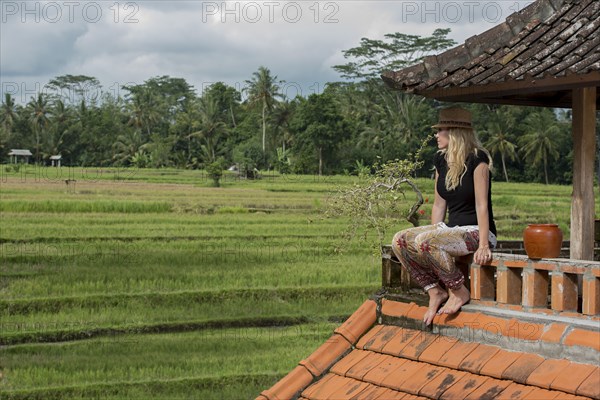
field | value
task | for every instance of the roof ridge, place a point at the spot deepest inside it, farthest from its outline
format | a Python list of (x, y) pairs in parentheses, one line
[(544, 336)]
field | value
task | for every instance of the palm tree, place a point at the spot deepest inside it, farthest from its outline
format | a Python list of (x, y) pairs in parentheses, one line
[(282, 115), (39, 120), (61, 117), (8, 116), (539, 144), (126, 146), (498, 143), (212, 129), (143, 112), (263, 89)]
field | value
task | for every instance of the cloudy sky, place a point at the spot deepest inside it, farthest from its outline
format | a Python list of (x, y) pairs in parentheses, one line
[(121, 42)]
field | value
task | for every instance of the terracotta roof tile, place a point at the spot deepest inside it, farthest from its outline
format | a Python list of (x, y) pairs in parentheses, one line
[(376, 392), (515, 391), (361, 368), (538, 394), (397, 377), (546, 372), (290, 385), (421, 378), (328, 353), (377, 341), (358, 323), (553, 333), (591, 385), (366, 338), (437, 349), (394, 394), (499, 362), (519, 370), (442, 382), (400, 341), (416, 312), (395, 308), (417, 345), (571, 381), (488, 390), (492, 324), (342, 366), (345, 388), (466, 385), (459, 320), (317, 388), (457, 354), (524, 330), (378, 374), (585, 338), (569, 396), (478, 358)]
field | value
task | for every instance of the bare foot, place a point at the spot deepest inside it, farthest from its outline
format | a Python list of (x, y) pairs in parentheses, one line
[(457, 299), (436, 297)]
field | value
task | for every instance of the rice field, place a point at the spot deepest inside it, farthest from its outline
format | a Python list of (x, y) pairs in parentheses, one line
[(118, 283)]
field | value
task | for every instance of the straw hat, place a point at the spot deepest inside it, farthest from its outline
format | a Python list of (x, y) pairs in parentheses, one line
[(454, 117)]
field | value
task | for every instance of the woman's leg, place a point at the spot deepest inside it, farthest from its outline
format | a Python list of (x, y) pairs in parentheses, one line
[(420, 266), (406, 249), (441, 248)]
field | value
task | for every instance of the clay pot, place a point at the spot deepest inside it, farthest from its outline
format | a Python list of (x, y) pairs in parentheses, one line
[(542, 240)]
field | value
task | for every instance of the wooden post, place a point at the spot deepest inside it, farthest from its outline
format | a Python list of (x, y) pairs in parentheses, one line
[(584, 143)]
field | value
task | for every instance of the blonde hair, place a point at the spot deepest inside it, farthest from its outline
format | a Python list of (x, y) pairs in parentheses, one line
[(461, 143)]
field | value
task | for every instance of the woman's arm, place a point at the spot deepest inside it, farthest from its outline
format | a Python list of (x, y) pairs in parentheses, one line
[(482, 186), (438, 211)]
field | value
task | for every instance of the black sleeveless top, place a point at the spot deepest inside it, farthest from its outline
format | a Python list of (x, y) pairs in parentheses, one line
[(461, 201)]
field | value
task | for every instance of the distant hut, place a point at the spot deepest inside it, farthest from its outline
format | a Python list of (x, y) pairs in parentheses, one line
[(55, 160), (16, 153)]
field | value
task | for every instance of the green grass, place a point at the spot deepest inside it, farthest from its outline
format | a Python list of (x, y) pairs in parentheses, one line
[(139, 283), (169, 365)]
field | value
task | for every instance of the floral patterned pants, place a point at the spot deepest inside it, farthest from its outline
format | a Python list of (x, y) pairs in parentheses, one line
[(428, 252)]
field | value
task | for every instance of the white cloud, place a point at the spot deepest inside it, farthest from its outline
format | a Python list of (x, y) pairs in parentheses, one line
[(210, 41)]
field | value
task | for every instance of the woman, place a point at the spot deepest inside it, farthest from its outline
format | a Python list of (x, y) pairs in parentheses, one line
[(463, 187)]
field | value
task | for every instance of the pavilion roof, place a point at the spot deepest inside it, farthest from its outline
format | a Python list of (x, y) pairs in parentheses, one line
[(19, 152), (536, 57)]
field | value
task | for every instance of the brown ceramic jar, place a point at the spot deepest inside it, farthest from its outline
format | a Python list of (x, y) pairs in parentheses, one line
[(542, 240)]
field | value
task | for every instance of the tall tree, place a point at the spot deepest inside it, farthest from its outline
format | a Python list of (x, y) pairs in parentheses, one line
[(212, 130), (396, 51), (157, 102), (319, 125), (499, 143), (61, 119), (263, 89), (282, 116), (8, 117), (540, 145), (39, 113), (76, 88), (144, 111)]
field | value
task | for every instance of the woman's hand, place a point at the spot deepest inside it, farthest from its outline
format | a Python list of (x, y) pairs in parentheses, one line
[(483, 255)]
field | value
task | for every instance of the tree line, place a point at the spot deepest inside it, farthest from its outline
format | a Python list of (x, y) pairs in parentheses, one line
[(352, 125)]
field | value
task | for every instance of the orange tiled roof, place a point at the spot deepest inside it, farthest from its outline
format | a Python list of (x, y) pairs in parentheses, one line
[(383, 352)]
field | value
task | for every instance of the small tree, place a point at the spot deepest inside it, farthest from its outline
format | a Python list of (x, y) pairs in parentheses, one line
[(381, 200), (215, 171)]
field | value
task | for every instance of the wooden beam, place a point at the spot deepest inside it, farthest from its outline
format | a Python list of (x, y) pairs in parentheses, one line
[(527, 87), (584, 143)]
